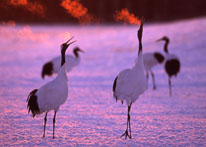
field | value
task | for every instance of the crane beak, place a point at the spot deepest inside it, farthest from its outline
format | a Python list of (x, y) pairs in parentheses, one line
[(71, 42), (67, 44), (142, 20), (139, 32), (69, 39), (159, 40), (81, 50)]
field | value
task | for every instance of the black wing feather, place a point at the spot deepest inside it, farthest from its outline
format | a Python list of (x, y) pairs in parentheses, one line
[(114, 84), (160, 58), (47, 69), (32, 104), (172, 67), (114, 87)]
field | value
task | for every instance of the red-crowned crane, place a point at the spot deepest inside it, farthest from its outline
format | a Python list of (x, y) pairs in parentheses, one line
[(131, 83), (53, 66), (51, 95), (172, 62)]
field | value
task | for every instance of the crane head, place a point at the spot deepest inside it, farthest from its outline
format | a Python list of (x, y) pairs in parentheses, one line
[(65, 45), (139, 34), (164, 38), (77, 49)]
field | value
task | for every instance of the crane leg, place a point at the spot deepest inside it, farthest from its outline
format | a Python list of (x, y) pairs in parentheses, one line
[(153, 80), (126, 133), (147, 75), (45, 119), (170, 86), (54, 120), (130, 130)]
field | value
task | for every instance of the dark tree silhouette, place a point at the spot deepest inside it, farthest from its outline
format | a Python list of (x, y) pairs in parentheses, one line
[(104, 10)]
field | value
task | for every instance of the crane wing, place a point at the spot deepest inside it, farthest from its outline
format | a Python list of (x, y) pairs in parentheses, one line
[(71, 62), (121, 84), (130, 85)]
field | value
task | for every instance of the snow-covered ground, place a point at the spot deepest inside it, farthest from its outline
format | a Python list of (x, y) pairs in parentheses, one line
[(90, 116)]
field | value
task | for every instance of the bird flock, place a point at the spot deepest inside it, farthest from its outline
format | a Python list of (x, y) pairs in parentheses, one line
[(128, 85)]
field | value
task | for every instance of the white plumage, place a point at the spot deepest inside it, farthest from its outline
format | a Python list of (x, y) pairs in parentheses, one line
[(51, 95), (131, 83), (54, 93), (53, 66), (150, 60)]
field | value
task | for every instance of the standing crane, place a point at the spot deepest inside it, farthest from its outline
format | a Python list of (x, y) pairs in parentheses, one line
[(172, 63), (131, 83), (51, 95)]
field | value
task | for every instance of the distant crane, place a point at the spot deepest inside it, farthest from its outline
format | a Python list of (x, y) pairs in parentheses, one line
[(172, 62), (150, 60), (54, 65), (51, 95), (131, 83)]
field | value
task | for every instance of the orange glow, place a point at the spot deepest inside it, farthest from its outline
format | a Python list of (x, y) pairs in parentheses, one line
[(21, 35), (36, 8), (18, 2), (9, 23), (33, 7), (125, 16), (77, 10)]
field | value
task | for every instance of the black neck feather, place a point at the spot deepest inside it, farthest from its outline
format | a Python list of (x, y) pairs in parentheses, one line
[(63, 56), (140, 37), (76, 53), (140, 47), (166, 46)]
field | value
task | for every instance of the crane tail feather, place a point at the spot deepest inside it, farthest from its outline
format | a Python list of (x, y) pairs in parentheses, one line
[(47, 69), (114, 88), (32, 104), (114, 84), (159, 57)]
